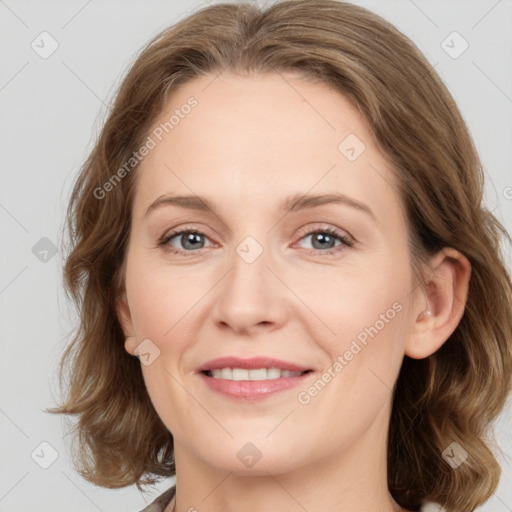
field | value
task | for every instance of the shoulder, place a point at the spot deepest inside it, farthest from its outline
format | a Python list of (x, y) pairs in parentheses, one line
[(159, 504)]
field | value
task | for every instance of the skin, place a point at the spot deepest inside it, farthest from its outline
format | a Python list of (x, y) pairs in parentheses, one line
[(251, 142)]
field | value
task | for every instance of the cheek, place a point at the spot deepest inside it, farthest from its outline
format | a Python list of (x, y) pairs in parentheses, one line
[(161, 297), (365, 317), (367, 311), (364, 302)]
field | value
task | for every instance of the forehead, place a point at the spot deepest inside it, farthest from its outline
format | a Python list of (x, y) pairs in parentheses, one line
[(254, 137)]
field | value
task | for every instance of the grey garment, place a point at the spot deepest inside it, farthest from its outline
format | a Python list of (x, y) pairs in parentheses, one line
[(159, 504)]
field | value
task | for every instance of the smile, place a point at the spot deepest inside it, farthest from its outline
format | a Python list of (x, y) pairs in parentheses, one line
[(241, 374), (251, 379)]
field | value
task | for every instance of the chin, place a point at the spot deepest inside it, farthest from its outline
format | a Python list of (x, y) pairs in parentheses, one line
[(269, 463), (253, 458)]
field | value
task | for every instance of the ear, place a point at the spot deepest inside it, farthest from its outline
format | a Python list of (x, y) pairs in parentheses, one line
[(445, 292), (125, 319)]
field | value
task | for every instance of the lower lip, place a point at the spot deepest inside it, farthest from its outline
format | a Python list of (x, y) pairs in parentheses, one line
[(249, 390)]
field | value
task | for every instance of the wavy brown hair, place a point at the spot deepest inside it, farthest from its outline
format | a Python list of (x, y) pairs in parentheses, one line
[(451, 396)]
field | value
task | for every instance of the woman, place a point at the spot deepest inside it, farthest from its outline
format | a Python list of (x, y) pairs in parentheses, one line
[(291, 295)]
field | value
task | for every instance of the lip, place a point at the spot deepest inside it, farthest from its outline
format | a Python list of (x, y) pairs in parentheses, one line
[(252, 390), (251, 364)]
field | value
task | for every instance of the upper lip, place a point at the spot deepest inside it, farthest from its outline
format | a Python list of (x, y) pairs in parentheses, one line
[(251, 363)]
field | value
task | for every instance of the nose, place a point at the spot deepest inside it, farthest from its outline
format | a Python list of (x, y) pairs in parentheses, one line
[(251, 297)]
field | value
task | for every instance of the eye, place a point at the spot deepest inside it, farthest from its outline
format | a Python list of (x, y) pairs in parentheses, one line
[(190, 239), (324, 240)]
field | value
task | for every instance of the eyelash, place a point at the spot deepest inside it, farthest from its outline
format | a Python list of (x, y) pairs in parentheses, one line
[(345, 241)]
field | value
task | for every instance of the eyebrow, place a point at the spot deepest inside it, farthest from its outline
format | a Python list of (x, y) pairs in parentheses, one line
[(292, 203)]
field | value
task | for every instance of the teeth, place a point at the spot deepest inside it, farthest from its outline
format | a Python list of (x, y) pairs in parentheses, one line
[(256, 374), (238, 374), (273, 373)]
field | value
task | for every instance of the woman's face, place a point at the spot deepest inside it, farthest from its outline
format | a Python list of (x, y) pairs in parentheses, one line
[(317, 284)]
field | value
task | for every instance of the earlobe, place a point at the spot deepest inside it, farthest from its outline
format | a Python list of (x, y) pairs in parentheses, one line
[(130, 343), (445, 292)]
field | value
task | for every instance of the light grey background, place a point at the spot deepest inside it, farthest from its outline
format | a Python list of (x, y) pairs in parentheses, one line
[(52, 108)]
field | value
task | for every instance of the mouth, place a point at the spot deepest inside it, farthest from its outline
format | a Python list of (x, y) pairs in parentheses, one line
[(256, 374), (251, 379)]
